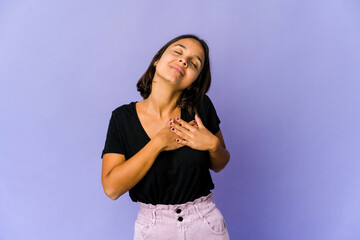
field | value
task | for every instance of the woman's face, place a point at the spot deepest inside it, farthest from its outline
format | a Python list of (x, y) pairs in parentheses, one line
[(181, 63)]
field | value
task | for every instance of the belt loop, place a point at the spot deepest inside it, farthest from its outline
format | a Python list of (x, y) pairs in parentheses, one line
[(153, 216), (198, 212)]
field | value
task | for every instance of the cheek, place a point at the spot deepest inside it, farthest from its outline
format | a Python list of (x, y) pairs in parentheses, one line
[(165, 58), (193, 75), (197, 73)]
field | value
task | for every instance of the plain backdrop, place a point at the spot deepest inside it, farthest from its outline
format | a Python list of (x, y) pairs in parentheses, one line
[(285, 84)]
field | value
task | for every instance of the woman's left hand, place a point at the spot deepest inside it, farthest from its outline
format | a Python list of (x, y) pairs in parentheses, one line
[(196, 137)]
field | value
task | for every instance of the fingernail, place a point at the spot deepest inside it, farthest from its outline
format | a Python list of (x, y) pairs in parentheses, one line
[(170, 123), (171, 119), (177, 140), (194, 121), (177, 118), (172, 129)]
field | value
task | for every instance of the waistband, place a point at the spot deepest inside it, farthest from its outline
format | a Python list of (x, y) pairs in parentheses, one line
[(198, 201), (176, 213)]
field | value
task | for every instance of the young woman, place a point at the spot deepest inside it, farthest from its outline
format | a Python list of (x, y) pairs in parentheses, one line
[(161, 148)]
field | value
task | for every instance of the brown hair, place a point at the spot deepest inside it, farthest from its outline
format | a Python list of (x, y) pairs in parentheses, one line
[(191, 98)]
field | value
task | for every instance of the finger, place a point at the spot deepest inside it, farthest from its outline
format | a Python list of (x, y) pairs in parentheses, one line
[(193, 123), (182, 132), (184, 124), (198, 120), (183, 142), (174, 123)]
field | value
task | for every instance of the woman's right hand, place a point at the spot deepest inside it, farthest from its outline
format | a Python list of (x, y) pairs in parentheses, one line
[(167, 138)]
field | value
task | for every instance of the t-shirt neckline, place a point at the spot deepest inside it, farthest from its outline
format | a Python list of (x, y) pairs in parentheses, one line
[(139, 122)]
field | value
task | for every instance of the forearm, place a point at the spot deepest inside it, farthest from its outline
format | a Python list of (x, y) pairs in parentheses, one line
[(219, 156), (126, 175)]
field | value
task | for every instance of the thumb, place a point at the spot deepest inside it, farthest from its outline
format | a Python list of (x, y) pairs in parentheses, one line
[(198, 120)]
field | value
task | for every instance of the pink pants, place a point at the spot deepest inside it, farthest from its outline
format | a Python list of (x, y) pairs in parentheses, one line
[(200, 219)]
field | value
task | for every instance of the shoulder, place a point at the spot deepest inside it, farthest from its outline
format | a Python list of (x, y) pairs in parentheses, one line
[(206, 103), (206, 99), (206, 107), (208, 115), (123, 112), (123, 109)]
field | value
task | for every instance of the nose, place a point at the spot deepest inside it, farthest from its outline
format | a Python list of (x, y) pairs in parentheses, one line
[(182, 61)]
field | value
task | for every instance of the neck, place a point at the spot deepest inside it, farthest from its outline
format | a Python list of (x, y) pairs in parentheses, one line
[(162, 100)]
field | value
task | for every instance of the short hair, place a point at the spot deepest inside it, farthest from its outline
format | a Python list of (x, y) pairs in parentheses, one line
[(191, 98)]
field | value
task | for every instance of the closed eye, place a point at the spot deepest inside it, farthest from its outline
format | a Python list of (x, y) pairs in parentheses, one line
[(191, 62)]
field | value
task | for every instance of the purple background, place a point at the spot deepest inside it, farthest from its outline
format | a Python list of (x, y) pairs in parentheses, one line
[(285, 85)]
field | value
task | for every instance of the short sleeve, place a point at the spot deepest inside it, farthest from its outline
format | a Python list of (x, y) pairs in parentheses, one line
[(113, 142), (213, 120)]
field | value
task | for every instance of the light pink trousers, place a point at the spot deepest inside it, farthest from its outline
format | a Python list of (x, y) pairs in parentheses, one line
[(199, 219)]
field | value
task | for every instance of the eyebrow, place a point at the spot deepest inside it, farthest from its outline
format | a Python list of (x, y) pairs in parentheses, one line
[(185, 48)]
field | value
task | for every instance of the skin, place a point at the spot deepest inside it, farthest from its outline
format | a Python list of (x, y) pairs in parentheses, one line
[(160, 118)]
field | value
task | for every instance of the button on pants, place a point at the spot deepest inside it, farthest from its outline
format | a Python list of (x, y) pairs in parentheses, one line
[(199, 219)]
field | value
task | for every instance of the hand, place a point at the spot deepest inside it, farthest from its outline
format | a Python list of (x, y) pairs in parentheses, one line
[(168, 137), (196, 137)]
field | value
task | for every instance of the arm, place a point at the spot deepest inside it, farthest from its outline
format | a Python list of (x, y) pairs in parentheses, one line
[(219, 156), (119, 176)]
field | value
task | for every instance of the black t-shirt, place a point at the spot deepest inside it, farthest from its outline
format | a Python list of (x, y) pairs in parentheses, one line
[(177, 176)]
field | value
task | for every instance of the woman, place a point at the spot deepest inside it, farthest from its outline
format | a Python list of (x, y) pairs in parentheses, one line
[(161, 148)]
